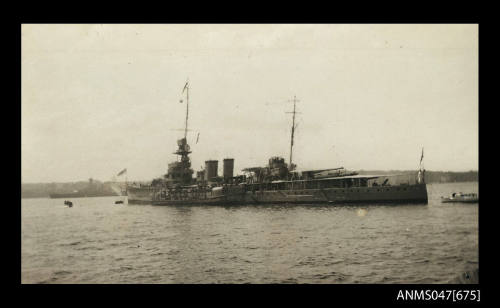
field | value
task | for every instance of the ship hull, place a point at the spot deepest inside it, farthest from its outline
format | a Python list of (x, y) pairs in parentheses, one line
[(66, 195), (411, 194), (460, 200), (79, 195)]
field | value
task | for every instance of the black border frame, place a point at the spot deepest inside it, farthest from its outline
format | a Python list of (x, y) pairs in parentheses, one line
[(220, 294)]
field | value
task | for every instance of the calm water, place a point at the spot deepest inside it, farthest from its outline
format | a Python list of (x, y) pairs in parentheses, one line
[(97, 241)]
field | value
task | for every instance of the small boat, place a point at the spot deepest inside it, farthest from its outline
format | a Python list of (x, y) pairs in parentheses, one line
[(119, 202), (460, 197), (68, 203)]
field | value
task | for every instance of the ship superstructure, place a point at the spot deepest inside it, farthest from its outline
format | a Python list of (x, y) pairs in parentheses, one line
[(180, 171)]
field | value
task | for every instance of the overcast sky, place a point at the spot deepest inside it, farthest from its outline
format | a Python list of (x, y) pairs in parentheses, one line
[(100, 98)]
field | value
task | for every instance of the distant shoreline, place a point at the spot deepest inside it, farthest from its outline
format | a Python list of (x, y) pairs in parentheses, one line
[(472, 174), (434, 176), (43, 190)]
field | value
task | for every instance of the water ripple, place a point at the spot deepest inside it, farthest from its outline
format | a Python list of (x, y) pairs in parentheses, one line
[(103, 243)]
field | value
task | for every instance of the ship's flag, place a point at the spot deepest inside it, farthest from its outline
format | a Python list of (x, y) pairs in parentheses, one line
[(122, 172), (197, 137), (185, 86), (422, 157)]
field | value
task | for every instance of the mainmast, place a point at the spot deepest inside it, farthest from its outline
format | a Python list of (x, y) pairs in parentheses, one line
[(186, 88), (293, 131)]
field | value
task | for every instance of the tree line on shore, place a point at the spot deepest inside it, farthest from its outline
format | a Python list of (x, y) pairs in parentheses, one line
[(433, 176), (43, 190)]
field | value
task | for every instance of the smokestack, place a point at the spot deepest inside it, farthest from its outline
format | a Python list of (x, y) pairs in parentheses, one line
[(211, 169), (228, 168)]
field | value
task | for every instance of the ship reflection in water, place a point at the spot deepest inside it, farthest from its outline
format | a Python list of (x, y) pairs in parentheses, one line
[(278, 182)]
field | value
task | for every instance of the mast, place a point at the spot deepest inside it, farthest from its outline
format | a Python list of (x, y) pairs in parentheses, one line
[(186, 87), (293, 131), (181, 171), (421, 171)]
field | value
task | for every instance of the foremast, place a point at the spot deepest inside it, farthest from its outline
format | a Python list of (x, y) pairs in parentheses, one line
[(181, 172)]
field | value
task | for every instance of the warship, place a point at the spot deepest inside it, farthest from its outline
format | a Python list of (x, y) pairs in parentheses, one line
[(277, 183)]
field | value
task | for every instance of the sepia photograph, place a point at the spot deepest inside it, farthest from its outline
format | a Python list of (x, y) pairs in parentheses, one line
[(250, 154)]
